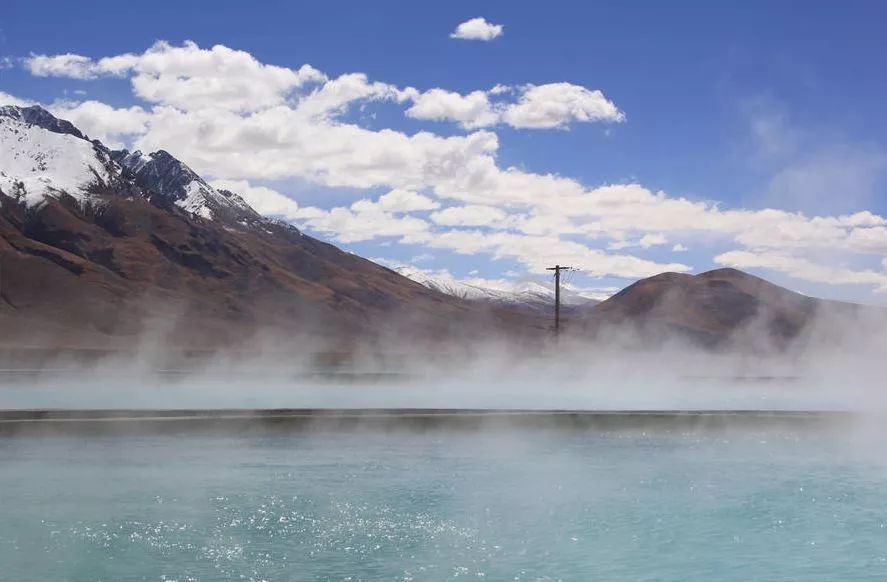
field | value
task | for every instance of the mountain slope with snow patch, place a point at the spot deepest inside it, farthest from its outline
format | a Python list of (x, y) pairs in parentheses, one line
[(35, 162), (42, 156), (172, 179)]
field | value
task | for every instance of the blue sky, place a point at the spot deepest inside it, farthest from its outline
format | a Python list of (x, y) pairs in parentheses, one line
[(746, 106)]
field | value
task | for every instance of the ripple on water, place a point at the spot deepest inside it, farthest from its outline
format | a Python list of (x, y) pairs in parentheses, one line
[(401, 506)]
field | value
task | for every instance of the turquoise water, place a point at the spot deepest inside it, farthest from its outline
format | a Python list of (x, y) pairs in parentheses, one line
[(523, 505)]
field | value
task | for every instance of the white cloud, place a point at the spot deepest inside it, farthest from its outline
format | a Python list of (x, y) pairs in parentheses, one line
[(187, 77), (478, 29), (334, 96), (103, 122), (801, 268), (361, 224), (470, 111), (399, 200), (652, 240), (645, 242), (471, 215), (550, 106), (264, 200), (190, 78), (281, 142), (7, 99), (537, 253), (78, 66), (555, 105)]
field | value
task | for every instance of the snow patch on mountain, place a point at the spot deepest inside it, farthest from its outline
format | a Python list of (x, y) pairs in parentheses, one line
[(41, 155), (35, 162), (172, 179), (36, 115), (529, 293)]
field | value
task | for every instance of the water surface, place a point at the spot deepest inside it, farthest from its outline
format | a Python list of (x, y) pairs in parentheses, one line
[(401, 505)]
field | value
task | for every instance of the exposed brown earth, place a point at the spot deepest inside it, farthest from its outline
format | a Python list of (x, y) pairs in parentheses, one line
[(124, 267)]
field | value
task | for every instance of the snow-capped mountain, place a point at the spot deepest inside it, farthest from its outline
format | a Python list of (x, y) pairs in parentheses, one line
[(98, 246), (41, 118), (173, 180), (42, 156), (529, 294)]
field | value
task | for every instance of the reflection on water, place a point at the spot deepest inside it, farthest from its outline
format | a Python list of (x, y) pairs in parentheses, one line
[(526, 505)]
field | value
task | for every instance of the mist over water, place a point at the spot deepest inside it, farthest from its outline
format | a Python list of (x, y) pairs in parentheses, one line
[(569, 375), (635, 500), (835, 363)]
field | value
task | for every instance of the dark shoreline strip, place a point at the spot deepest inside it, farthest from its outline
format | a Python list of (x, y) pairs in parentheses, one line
[(144, 413), (228, 421)]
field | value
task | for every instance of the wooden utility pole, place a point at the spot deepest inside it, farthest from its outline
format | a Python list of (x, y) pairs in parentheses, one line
[(557, 295)]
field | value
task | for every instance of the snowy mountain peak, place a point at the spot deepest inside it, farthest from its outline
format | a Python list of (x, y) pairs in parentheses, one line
[(170, 178), (134, 161), (45, 156), (36, 162), (36, 115), (159, 171)]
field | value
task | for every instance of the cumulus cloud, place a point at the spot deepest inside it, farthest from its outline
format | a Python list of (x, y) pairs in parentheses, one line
[(283, 142), (364, 221), (549, 106), (334, 96), (399, 200), (645, 242), (471, 215), (470, 111), (187, 77), (264, 200), (804, 269), (81, 67), (536, 253), (101, 121), (478, 29), (7, 99), (555, 105)]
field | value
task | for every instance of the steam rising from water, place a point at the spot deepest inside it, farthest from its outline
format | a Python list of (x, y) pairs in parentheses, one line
[(491, 504), (569, 375), (836, 364)]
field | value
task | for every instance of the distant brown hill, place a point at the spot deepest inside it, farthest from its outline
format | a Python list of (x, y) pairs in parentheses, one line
[(717, 308)]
